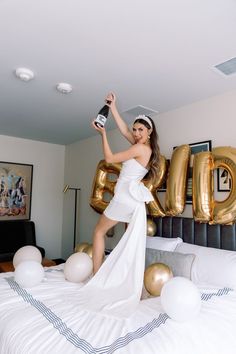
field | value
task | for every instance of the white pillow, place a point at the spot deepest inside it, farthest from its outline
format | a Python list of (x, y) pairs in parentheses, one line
[(163, 243), (212, 266)]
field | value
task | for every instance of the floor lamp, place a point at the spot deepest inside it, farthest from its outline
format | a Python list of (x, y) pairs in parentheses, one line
[(66, 188)]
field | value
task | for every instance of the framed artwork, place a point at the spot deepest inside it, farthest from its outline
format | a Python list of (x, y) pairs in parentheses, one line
[(224, 181), (15, 190), (195, 148)]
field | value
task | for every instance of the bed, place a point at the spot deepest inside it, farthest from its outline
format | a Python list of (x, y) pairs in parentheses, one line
[(44, 319)]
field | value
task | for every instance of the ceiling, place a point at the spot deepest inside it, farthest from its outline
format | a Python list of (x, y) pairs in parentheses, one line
[(156, 53)]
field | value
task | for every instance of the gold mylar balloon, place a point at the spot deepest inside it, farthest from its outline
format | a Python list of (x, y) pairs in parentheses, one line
[(155, 276), (89, 250), (81, 246), (224, 212), (202, 186), (102, 184), (177, 181), (154, 207), (151, 227)]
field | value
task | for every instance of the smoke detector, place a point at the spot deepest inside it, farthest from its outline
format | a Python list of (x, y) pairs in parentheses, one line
[(24, 74), (63, 87)]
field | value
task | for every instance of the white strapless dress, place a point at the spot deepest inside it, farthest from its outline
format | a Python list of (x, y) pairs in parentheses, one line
[(115, 290), (129, 192)]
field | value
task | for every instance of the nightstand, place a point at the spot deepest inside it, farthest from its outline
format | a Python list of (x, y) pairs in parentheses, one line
[(8, 266)]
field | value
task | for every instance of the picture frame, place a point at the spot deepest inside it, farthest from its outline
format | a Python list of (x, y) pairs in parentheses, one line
[(195, 148), (15, 190), (224, 181)]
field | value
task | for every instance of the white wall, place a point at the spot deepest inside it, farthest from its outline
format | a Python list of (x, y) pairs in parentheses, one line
[(211, 119), (48, 179)]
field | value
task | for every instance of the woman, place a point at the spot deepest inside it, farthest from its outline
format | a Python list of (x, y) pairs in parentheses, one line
[(116, 287), (141, 159)]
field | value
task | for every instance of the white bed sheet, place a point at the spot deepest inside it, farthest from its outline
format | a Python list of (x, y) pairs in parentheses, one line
[(42, 320)]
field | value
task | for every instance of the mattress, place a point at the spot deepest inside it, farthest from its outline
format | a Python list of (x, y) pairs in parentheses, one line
[(47, 319)]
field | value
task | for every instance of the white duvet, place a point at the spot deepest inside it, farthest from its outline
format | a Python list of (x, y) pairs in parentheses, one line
[(46, 319)]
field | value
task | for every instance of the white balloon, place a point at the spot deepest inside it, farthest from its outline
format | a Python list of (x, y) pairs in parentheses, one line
[(29, 274), (27, 253), (78, 267), (180, 299)]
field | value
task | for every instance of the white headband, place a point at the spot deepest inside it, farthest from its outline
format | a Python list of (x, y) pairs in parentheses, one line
[(143, 117)]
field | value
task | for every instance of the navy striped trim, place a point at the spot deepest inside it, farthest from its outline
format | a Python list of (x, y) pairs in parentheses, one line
[(53, 270), (85, 346), (73, 338), (220, 292)]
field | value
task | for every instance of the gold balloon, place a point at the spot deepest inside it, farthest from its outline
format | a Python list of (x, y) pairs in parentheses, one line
[(81, 246), (89, 250), (102, 184), (155, 276), (224, 212), (155, 208), (202, 186), (205, 208), (177, 181), (151, 227)]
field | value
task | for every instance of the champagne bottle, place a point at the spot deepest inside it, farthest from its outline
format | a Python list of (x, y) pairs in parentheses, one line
[(102, 116)]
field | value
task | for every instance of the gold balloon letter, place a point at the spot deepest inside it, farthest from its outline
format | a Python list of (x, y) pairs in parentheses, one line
[(225, 212), (177, 180), (102, 184), (155, 208), (203, 186)]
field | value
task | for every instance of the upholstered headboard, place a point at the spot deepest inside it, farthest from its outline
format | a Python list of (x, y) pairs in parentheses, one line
[(217, 236)]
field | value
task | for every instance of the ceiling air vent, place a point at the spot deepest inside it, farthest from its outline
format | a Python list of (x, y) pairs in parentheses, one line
[(228, 67), (135, 111)]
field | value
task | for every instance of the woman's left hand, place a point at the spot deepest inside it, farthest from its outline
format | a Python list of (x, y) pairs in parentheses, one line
[(101, 130)]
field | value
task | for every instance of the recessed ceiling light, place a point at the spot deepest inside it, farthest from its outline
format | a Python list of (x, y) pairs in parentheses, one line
[(63, 87), (24, 74)]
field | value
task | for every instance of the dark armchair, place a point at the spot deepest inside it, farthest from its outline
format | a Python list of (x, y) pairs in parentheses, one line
[(16, 234)]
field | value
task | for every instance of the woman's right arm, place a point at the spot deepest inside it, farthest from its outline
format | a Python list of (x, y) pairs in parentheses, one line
[(121, 124)]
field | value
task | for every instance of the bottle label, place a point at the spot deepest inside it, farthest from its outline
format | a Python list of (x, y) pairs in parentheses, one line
[(100, 120)]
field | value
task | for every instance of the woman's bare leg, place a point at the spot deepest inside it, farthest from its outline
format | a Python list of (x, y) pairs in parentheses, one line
[(103, 225)]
